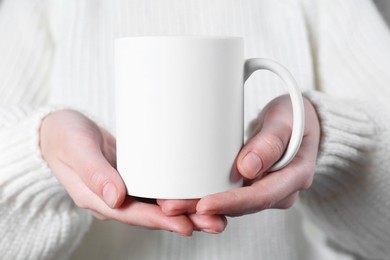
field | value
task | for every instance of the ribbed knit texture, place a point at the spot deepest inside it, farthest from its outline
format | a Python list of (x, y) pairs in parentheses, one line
[(349, 196), (60, 53), (38, 219)]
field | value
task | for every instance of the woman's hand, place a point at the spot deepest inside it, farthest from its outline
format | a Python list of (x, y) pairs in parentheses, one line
[(263, 189), (82, 156)]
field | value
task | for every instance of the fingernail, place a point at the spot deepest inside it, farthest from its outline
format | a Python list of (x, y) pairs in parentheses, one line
[(202, 210), (251, 165), (184, 234), (210, 231), (218, 230), (110, 194)]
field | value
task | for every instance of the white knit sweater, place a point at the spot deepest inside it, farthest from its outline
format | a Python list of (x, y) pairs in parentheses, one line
[(59, 52)]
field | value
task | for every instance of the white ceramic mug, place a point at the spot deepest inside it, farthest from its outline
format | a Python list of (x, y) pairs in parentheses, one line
[(180, 113)]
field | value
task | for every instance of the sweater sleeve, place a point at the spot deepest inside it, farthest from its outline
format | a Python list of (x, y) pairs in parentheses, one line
[(350, 192), (38, 220)]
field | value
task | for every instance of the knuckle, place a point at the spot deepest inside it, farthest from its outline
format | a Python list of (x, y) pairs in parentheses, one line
[(80, 205), (77, 140), (86, 140), (99, 216), (274, 145), (288, 204), (308, 175), (80, 202), (266, 203), (110, 155), (263, 199), (95, 180), (307, 183), (277, 105)]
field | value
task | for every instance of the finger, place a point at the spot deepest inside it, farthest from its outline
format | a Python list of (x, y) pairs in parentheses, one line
[(247, 200), (141, 214), (287, 202), (131, 212), (266, 192), (98, 215), (269, 142), (136, 213), (146, 215), (177, 207), (84, 155), (213, 224), (264, 149), (109, 147)]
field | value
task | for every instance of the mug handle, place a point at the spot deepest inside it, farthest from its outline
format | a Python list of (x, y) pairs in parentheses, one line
[(251, 65)]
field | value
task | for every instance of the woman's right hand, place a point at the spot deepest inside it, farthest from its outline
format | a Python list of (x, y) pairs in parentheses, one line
[(82, 156)]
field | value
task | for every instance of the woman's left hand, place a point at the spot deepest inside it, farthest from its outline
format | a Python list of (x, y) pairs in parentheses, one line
[(264, 189)]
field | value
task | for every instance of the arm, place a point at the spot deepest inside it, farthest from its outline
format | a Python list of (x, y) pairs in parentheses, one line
[(349, 195), (39, 219)]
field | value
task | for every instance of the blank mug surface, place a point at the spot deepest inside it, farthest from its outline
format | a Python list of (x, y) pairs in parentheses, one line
[(179, 105)]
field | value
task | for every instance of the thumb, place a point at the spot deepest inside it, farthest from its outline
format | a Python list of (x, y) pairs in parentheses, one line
[(87, 159), (265, 148)]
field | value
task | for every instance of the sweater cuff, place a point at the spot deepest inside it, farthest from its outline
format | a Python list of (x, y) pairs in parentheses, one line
[(23, 168), (346, 140), (38, 218)]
